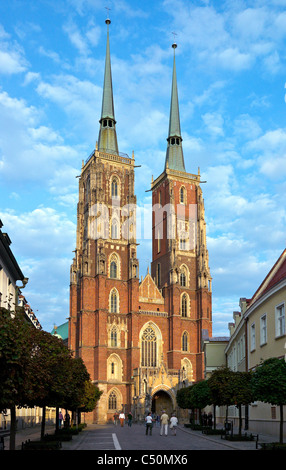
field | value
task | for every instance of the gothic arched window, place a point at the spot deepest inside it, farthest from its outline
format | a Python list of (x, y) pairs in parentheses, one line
[(185, 341), (114, 187), (184, 305), (113, 269), (183, 279), (149, 348), (114, 229), (113, 337), (114, 301), (182, 195), (112, 401)]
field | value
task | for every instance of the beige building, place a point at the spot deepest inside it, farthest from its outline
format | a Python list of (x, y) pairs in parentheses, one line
[(258, 333), (12, 299)]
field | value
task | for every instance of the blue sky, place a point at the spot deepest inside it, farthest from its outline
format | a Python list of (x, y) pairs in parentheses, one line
[(231, 70)]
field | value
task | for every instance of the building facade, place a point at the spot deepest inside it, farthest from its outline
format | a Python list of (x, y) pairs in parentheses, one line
[(12, 299), (259, 333), (140, 339)]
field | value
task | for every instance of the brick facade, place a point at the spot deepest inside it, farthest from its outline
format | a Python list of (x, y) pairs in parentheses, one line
[(140, 339)]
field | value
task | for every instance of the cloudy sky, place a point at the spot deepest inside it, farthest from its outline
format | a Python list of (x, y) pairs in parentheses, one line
[(231, 70)]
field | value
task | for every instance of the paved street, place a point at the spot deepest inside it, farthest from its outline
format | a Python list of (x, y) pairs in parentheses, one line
[(110, 437)]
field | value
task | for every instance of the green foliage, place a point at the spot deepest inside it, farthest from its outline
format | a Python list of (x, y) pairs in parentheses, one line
[(37, 369), (183, 398), (91, 396), (200, 395), (14, 356), (221, 385), (269, 381)]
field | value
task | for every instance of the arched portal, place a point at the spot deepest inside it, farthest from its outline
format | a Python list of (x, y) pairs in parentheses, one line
[(162, 401)]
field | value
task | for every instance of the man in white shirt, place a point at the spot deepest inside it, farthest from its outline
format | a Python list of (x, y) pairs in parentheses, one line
[(122, 419)]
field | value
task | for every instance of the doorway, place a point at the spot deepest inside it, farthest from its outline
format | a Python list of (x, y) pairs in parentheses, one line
[(161, 401)]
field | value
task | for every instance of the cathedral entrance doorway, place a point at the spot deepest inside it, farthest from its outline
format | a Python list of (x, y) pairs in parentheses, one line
[(162, 401)]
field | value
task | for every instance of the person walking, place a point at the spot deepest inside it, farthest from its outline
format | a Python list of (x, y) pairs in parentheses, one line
[(115, 418), (129, 417), (164, 424), (173, 424), (149, 423), (60, 419), (122, 418)]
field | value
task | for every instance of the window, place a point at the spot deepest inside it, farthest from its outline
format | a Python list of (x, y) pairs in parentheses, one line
[(182, 244), (112, 401), (185, 341), (252, 337), (183, 279), (159, 241), (114, 188), (114, 229), (113, 337), (149, 348), (112, 368), (114, 301), (182, 195), (184, 306), (280, 320), (263, 330), (158, 274), (113, 269)]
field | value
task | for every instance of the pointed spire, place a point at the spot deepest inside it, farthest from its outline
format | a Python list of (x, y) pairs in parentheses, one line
[(174, 154), (107, 140)]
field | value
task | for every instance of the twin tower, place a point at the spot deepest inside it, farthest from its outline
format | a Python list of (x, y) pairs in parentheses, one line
[(141, 340)]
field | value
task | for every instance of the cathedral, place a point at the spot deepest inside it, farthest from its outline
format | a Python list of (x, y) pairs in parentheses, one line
[(141, 339)]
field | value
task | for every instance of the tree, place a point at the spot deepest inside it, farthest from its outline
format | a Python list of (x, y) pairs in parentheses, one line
[(242, 391), (182, 398), (91, 396), (14, 356), (200, 396), (269, 385), (221, 388), (45, 372)]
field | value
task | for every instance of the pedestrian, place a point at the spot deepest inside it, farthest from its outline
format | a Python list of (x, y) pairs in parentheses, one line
[(115, 418), (149, 423), (210, 419), (205, 419), (129, 417), (173, 424), (67, 420), (157, 421), (122, 418), (60, 419), (164, 424)]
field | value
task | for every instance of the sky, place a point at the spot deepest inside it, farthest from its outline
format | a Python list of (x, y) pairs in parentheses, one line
[(231, 72)]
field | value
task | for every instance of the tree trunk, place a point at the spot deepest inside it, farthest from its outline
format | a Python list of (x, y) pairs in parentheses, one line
[(43, 423), (13, 428), (57, 418), (239, 420), (214, 417), (281, 424)]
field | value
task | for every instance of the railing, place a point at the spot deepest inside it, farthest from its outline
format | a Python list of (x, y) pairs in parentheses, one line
[(151, 312), (121, 157)]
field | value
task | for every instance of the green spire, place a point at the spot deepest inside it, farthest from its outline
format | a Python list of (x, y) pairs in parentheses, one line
[(107, 140), (174, 154)]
